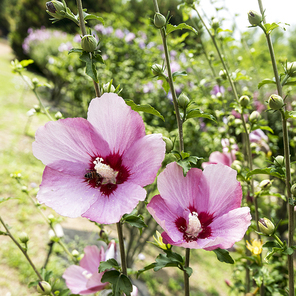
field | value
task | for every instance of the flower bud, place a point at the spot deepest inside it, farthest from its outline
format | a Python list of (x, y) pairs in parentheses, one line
[(236, 165), (215, 23), (89, 43), (223, 74), (75, 253), (183, 101), (291, 69), (266, 226), (254, 116), (255, 18), (23, 237), (56, 9), (244, 101), (37, 108), (265, 184), (157, 70), (58, 115), (275, 102), (159, 20), (279, 161), (44, 288), (168, 144), (108, 88)]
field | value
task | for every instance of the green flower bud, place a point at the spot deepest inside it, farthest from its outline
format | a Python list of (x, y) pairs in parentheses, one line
[(291, 69), (293, 189), (266, 226), (23, 237), (159, 20), (108, 88), (168, 144), (275, 102), (244, 101), (211, 55), (265, 184), (157, 70), (254, 116), (37, 108), (279, 161), (89, 43), (215, 23), (58, 115), (223, 74), (24, 189), (44, 288), (183, 101), (236, 165), (75, 253), (56, 9), (255, 18)]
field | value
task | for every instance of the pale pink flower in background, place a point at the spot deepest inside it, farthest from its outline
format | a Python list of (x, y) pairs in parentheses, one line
[(201, 210), (259, 137), (85, 278), (220, 157), (97, 168)]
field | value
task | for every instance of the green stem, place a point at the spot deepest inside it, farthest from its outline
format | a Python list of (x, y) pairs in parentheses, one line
[(186, 277), (278, 240), (121, 247), (23, 251), (171, 83), (83, 31)]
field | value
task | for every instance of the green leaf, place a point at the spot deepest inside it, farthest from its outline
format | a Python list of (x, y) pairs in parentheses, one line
[(270, 27), (2, 199), (290, 114), (25, 63), (185, 163), (90, 66), (111, 263), (267, 171), (148, 267), (165, 260), (265, 81), (188, 270), (144, 108), (171, 28), (120, 282), (263, 127), (179, 73), (196, 113), (75, 50), (136, 221), (97, 57), (291, 82), (223, 256), (219, 30), (93, 17)]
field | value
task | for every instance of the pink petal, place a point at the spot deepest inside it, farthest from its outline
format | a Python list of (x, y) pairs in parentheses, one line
[(75, 279), (166, 216), (221, 191), (177, 190), (144, 159), (94, 283), (116, 122), (110, 209), (231, 227), (92, 258), (72, 139), (64, 189), (219, 157)]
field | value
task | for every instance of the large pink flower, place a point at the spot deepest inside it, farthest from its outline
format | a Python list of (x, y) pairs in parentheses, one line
[(85, 279), (97, 168), (219, 157), (201, 210)]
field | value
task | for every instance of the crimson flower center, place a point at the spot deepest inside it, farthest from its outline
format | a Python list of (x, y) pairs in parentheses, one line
[(107, 174)]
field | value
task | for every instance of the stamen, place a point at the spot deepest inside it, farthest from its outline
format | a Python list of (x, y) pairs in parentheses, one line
[(194, 225), (86, 274), (105, 171)]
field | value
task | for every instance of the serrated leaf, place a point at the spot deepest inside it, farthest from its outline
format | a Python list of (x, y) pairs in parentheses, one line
[(185, 163), (171, 28), (120, 282), (164, 260), (270, 27), (75, 50), (98, 58), (144, 108), (110, 276), (136, 221), (265, 81), (111, 263), (196, 113), (223, 256), (188, 270), (90, 69)]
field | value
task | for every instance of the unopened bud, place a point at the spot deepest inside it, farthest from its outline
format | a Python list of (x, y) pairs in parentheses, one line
[(236, 165), (37, 108), (265, 184), (215, 23), (56, 9), (266, 226), (75, 253), (279, 161), (108, 88), (35, 82), (89, 43), (255, 18), (291, 69), (103, 235), (159, 20), (44, 288), (254, 116), (23, 237), (168, 144), (157, 70), (244, 101), (183, 101), (58, 115), (275, 102), (223, 74)]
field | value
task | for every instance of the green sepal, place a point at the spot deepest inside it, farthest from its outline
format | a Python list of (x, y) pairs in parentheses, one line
[(171, 28), (144, 108), (223, 256)]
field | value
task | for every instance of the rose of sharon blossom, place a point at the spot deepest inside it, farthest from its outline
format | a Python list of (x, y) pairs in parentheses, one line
[(201, 210), (97, 168), (85, 279), (219, 157)]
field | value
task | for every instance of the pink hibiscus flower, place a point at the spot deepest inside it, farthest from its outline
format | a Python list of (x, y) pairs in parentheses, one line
[(85, 279), (97, 168), (219, 157), (201, 210)]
